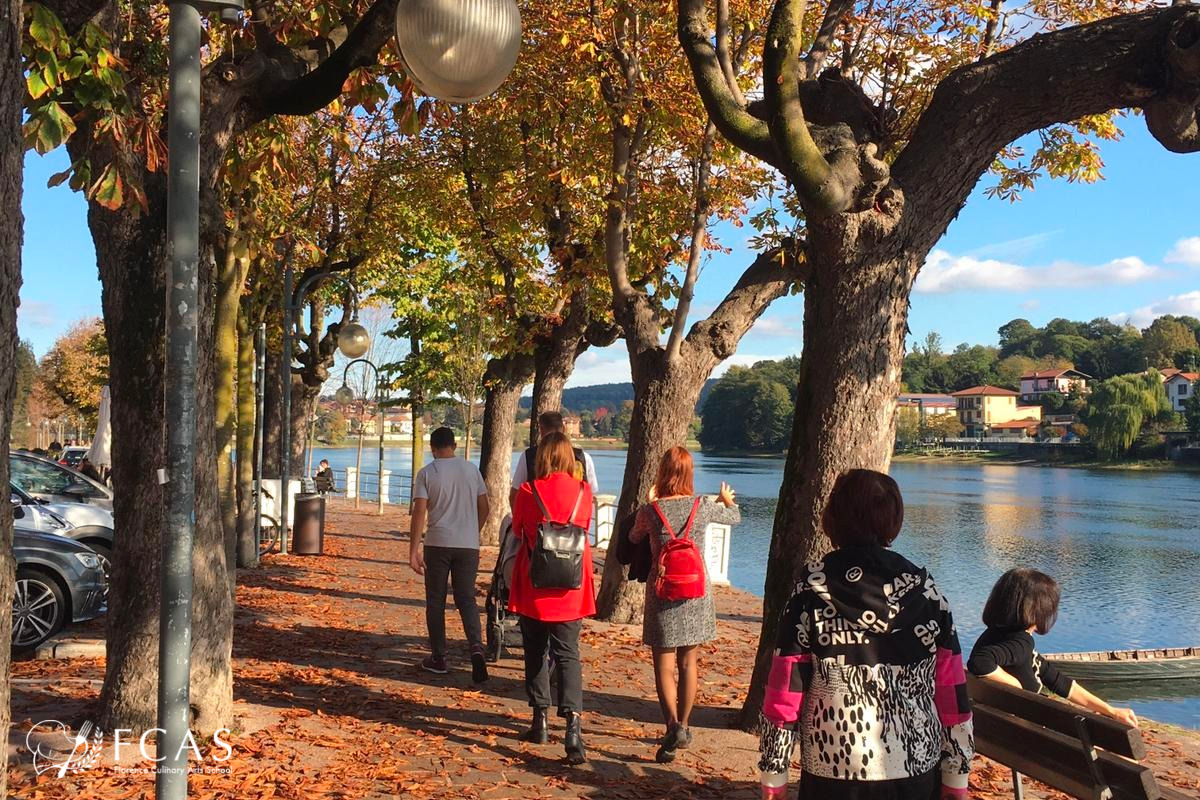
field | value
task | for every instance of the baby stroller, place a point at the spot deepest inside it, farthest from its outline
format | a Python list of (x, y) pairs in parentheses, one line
[(502, 626)]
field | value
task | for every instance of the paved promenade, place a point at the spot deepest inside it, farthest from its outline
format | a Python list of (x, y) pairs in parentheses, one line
[(331, 703)]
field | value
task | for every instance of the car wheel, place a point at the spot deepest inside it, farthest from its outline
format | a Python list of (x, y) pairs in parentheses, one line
[(39, 609), (105, 552)]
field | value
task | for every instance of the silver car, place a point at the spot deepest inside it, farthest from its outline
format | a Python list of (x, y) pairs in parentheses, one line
[(52, 482), (59, 580), (91, 525)]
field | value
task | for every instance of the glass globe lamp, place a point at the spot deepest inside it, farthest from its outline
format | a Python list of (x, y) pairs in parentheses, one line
[(353, 340), (458, 50), (344, 395)]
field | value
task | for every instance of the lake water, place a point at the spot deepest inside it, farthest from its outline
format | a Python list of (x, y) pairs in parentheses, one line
[(1124, 545)]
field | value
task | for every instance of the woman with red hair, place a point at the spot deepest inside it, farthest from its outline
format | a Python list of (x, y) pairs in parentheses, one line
[(678, 617)]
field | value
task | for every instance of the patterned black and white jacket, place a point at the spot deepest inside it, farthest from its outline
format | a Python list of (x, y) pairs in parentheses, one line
[(869, 674)]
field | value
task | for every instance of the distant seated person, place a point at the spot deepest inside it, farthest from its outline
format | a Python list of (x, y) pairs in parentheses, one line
[(324, 478), (1024, 601), (551, 422)]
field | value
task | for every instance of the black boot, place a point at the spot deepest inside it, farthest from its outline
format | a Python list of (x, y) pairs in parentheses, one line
[(573, 740), (539, 732)]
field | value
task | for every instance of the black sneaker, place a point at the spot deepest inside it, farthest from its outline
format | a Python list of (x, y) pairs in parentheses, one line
[(479, 672), (683, 737), (435, 664), (667, 746)]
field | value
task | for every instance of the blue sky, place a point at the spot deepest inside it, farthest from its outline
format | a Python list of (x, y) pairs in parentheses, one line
[(1126, 248)]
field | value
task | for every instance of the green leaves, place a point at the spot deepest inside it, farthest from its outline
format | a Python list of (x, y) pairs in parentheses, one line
[(47, 127), (108, 189), (47, 31)]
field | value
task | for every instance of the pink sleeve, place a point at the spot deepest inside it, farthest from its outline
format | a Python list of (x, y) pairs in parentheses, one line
[(785, 688), (950, 693)]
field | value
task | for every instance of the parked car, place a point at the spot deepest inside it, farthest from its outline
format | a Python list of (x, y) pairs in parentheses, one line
[(50, 481), (91, 525), (72, 456), (59, 580)]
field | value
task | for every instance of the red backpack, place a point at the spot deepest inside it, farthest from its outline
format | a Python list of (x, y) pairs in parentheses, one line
[(680, 567)]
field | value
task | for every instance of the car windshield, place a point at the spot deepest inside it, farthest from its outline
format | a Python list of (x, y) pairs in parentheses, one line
[(37, 477)]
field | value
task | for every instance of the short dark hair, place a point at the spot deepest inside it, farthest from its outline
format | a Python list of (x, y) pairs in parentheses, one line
[(1023, 598), (864, 509), (550, 422), (441, 438)]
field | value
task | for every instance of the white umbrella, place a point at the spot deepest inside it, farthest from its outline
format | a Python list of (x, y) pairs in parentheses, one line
[(100, 453)]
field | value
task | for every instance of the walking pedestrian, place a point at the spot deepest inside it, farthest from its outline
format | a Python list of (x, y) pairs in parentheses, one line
[(867, 648), (677, 620), (552, 422), (552, 587), (450, 505)]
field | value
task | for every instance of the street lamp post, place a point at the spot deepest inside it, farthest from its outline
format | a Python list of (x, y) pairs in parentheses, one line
[(345, 396), (183, 248), (353, 341)]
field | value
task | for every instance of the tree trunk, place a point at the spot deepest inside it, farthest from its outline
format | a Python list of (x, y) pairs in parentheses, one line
[(664, 402), (304, 405), (247, 553), (554, 361), (211, 696), (505, 379), (231, 276), (12, 153), (855, 313), (273, 395), (131, 255)]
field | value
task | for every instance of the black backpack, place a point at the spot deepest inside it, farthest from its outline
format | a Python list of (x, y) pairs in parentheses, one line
[(556, 558)]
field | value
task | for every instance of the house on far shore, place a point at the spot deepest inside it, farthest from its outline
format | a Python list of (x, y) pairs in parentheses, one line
[(1052, 381), (929, 403), (992, 411), (1180, 387)]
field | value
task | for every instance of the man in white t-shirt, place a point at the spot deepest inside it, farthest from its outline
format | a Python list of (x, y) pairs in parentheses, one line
[(450, 505), (550, 422)]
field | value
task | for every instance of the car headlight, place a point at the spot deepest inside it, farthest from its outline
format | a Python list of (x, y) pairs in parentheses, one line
[(89, 560)]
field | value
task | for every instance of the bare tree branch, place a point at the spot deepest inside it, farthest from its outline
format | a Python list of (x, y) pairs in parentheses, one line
[(835, 12), (735, 123), (724, 54), (696, 249), (1148, 60)]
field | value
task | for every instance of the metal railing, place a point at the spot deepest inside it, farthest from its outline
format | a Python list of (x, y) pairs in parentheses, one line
[(364, 485)]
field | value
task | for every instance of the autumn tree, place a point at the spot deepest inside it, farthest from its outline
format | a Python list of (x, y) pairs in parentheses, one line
[(1164, 339), (75, 368), (882, 119), (108, 65), (12, 94)]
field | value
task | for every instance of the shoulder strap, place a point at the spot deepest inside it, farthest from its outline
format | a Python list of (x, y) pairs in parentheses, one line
[(578, 500), (687, 529), (663, 518), (538, 498)]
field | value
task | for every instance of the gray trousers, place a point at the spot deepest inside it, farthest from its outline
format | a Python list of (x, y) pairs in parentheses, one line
[(459, 566)]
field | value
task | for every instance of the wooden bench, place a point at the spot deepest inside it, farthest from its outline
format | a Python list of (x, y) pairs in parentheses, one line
[(1083, 754)]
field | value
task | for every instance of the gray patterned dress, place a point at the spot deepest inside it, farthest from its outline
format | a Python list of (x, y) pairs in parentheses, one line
[(681, 623)]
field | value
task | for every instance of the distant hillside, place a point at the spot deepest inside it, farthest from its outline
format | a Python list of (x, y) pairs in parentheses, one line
[(608, 395)]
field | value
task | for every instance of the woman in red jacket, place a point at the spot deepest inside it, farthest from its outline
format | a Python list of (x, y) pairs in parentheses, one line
[(552, 615)]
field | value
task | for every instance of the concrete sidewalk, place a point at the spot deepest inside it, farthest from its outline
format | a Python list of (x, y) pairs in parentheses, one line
[(331, 702)]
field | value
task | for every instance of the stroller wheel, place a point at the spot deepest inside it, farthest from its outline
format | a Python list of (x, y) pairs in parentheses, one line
[(495, 643)]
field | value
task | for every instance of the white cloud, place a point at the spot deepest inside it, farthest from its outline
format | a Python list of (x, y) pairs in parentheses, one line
[(1186, 251), (1012, 248), (944, 272), (36, 314), (601, 365), (1188, 303), (1031, 305), (781, 327)]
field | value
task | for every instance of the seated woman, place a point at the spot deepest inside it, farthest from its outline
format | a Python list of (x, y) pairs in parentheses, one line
[(867, 672), (552, 613), (1021, 602), (673, 628)]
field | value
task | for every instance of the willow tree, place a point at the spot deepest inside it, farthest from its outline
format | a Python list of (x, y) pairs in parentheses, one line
[(1119, 407), (882, 118)]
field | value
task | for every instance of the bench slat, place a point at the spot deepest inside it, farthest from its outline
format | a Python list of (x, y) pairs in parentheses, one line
[(1106, 733), (1055, 758)]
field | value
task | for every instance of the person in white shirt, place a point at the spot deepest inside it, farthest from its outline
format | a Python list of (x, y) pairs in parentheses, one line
[(551, 422), (450, 505)]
